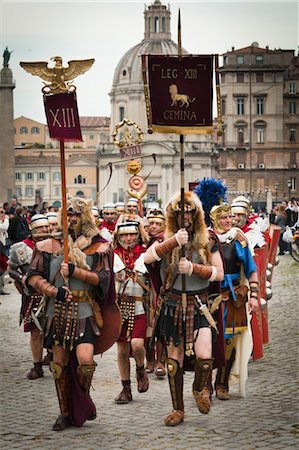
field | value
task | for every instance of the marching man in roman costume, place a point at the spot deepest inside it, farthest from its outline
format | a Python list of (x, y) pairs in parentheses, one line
[(132, 291), (78, 294), (155, 356), (239, 301), (19, 261), (186, 327)]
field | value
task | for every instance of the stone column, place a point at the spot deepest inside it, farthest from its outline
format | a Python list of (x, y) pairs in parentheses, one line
[(7, 146)]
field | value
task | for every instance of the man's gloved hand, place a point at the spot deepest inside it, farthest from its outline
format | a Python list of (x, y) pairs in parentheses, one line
[(182, 237), (63, 294), (184, 266)]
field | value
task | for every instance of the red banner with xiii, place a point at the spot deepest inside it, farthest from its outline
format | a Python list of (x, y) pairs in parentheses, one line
[(63, 117)]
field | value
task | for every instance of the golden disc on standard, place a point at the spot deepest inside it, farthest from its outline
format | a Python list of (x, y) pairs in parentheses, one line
[(133, 166)]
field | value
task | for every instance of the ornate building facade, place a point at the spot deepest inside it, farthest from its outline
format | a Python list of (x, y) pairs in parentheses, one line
[(87, 164), (259, 148)]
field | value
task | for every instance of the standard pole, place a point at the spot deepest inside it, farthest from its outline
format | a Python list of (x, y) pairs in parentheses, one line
[(64, 207), (182, 171)]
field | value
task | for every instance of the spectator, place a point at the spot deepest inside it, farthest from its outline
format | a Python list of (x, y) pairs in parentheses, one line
[(13, 206), (4, 223), (281, 221), (18, 228)]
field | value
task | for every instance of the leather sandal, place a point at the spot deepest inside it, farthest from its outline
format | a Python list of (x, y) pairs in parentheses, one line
[(160, 371), (174, 418), (203, 400), (35, 372), (222, 393), (142, 379), (124, 397)]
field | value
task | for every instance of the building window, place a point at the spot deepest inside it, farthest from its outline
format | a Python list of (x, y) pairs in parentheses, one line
[(57, 191), (260, 135), (41, 176), (56, 176), (34, 130), (40, 190), (259, 77), (259, 59), (80, 194), (29, 176), (152, 193), (19, 192), (163, 25), (240, 77), (23, 130), (156, 24), (240, 59), (292, 135), (260, 102), (29, 191), (80, 180), (223, 78), (240, 105), (292, 107), (224, 60), (292, 88), (91, 137), (121, 113), (223, 104), (18, 175), (240, 132), (274, 77)]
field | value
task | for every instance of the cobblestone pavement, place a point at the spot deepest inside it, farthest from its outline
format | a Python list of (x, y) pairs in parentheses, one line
[(266, 419)]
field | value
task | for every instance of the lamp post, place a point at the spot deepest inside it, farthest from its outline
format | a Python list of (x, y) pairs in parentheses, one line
[(258, 199), (276, 186), (289, 183)]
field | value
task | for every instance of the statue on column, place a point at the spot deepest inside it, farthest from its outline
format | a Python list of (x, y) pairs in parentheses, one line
[(6, 57)]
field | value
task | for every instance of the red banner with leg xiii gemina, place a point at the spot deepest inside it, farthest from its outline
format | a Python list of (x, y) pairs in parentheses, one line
[(63, 117), (178, 93)]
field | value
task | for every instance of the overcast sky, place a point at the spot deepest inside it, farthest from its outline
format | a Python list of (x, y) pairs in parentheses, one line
[(105, 30)]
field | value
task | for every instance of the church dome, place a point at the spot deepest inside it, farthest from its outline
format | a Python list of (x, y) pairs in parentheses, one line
[(128, 70), (127, 92), (157, 41)]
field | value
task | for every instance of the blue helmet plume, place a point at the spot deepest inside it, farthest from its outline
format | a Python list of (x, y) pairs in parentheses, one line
[(211, 192)]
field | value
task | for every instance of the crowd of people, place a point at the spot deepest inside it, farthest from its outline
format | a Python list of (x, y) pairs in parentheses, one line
[(179, 286)]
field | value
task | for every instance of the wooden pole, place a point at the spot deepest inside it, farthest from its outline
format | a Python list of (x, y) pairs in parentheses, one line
[(182, 172), (64, 207)]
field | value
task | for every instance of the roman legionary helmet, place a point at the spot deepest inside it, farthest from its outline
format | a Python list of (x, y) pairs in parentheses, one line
[(216, 213), (38, 220), (127, 225), (156, 215), (52, 217), (241, 205), (211, 192)]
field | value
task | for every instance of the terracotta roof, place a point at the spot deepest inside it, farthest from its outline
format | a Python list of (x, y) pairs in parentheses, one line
[(94, 121), (37, 160)]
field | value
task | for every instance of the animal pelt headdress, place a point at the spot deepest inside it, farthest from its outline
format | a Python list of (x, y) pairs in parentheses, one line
[(199, 234), (89, 230)]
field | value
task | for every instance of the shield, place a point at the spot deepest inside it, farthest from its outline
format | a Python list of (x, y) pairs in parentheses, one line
[(111, 329), (274, 235)]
